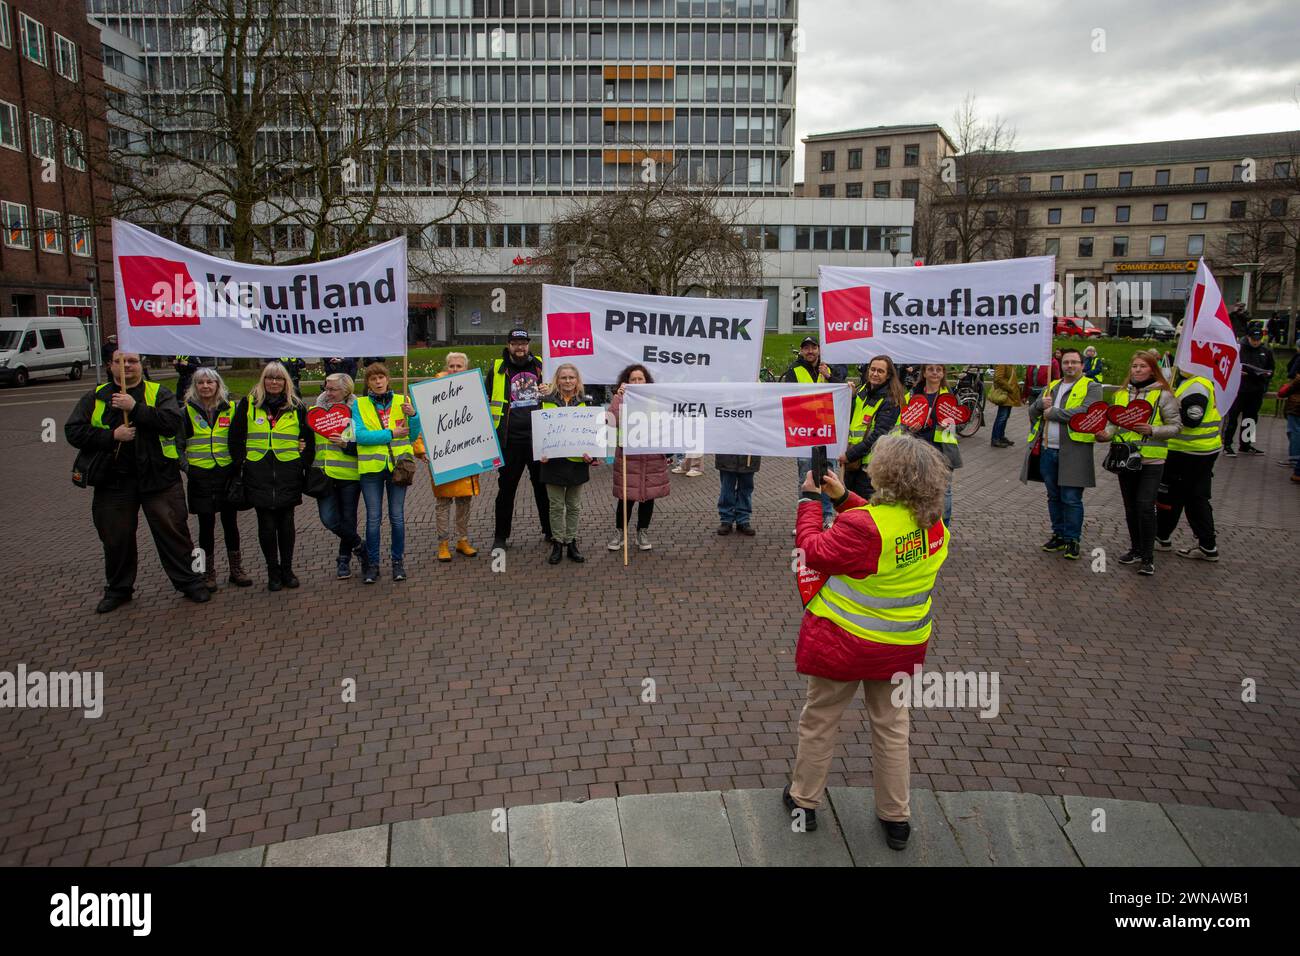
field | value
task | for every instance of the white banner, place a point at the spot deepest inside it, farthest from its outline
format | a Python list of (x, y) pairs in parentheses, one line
[(742, 419), (569, 432), (678, 339), (174, 301), (1208, 346), (983, 313), (457, 429)]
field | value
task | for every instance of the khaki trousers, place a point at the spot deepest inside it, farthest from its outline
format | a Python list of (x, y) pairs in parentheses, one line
[(820, 722), (442, 514)]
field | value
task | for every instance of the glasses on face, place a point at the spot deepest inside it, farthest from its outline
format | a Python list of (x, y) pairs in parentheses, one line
[(275, 378)]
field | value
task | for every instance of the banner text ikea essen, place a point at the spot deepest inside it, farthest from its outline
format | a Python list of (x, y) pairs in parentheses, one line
[(172, 300), (678, 338), (983, 313)]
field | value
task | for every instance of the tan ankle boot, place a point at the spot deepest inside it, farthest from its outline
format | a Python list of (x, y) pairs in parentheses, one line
[(463, 546), (444, 552), (237, 575)]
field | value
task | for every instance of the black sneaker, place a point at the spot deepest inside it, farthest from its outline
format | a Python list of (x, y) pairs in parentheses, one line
[(199, 595), (110, 602), (1055, 543), (399, 571), (1071, 551), (1164, 544), (498, 544), (896, 833), (746, 529), (809, 816), (1147, 568), (1199, 554), (1130, 557), (1228, 452), (371, 575), (724, 528), (1251, 450)]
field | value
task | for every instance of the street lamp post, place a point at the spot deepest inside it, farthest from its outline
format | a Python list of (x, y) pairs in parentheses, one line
[(571, 255), (893, 236)]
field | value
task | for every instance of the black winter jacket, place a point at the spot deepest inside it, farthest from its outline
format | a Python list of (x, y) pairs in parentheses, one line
[(271, 483), (153, 472)]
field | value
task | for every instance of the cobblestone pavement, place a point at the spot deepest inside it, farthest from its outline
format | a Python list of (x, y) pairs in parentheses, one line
[(477, 690)]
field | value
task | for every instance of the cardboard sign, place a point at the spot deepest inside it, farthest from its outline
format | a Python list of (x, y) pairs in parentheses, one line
[(329, 421), (915, 414), (1136, 412), (947, 409), (569, 432), (1092, 421), (457, 429)]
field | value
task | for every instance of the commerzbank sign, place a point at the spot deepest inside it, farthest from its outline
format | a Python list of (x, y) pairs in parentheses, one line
[(1154, 266)]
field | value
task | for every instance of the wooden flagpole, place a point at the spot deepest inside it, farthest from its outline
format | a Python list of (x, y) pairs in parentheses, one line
[(625, 502)]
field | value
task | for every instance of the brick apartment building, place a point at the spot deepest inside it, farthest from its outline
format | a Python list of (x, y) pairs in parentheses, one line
[(56, 240)]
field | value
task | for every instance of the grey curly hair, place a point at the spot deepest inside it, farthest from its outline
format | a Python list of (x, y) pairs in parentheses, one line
[(911, 472)]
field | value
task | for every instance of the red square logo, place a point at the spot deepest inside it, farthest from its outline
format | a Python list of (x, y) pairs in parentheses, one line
[(809, 419), (569, 333), (158, 292), (847, 314)]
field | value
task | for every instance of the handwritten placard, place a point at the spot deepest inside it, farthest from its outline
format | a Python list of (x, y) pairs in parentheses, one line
[(569, 432), (458, 434)]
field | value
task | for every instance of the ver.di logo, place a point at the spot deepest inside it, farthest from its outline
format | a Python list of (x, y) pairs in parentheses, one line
[(569, 333), (808, 419), (847, 314), (158, 292)]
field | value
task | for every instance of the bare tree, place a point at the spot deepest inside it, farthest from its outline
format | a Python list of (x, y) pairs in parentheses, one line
[(296, 128), (967, 207), (662, 235)]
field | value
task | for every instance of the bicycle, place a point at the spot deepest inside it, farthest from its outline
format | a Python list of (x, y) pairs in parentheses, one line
[(970, 392)]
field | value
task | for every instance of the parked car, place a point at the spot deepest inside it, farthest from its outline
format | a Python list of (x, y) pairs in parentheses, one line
[(45, 346), (1144, 327), (1068, 325)]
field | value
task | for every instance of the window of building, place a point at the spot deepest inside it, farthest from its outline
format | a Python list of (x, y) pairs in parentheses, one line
[(1054, 217), (990, 217), (1201, 174), (1195, 245), (1057, 182), (880, 190), (826, 191), (1051, 247), (994, 186), (1273, 243), (74, 153), (1156, 247), (1160, 212), (32, 34), (1023, 184), (1270, 287), (1088, 214), (950, 250), (65, 57), (50, 225), (1119, 246), (1121, 213), (882, 157), (1085, 247), (6, 40), (1125, 179), (1089, 180), (853, 190), (1277, 207), (80, 234), (11, 133), (1281, 170), (1237, 209), (17, 226), (1198, 210), (912, 154), (1162, 177), (42, 136), (1022, 217), (1238, 172), (1236, 242), (820, 237), (828, 160), (911, 188), (855, 159), (950, 219), (802, 237)]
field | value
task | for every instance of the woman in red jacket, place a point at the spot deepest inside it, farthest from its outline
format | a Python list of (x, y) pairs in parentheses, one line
[(869, 618)]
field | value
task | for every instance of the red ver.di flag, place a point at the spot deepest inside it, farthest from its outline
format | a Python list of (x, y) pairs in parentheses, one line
[(1207, 346)]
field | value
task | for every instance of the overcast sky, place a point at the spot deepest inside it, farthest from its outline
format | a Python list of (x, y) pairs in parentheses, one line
[(1170, 70)]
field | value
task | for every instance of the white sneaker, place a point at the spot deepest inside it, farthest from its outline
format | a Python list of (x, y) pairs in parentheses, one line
[(676, 470), (615, 543), (643, 541), (694, 473)]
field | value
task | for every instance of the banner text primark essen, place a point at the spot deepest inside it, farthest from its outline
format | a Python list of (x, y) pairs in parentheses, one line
[(980, 313)]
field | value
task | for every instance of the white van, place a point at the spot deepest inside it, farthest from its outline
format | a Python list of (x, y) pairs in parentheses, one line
[(46, 346)]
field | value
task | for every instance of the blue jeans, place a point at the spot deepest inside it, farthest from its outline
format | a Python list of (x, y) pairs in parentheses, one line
[(805, 466), (338, 513), (372, 487), (1293, 436), (1064, 502), (735, 501), (947, 503), (1000, 423)]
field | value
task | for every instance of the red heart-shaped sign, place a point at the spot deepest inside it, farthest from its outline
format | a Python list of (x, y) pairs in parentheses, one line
[(947, 409), (915, 414), (1092, 421), (1136, 412), (329, 421)]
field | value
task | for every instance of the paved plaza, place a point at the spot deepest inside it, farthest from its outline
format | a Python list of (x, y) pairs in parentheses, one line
[(478, 690)]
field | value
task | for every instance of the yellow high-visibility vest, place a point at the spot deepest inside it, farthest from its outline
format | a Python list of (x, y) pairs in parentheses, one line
[(377, 458), (208, 447), (1149, 446), (1078, 395), (168, 445), (1204, 438), (281, 439)]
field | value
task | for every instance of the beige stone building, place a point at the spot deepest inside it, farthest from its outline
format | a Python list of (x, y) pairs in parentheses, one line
[(880, 162)]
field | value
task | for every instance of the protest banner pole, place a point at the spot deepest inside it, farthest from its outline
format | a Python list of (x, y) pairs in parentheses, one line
[(626, 509)]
